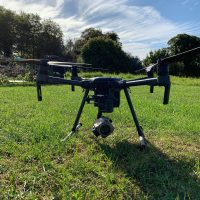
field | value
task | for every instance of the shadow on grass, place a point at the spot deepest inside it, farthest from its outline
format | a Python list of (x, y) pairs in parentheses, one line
[(157, 175)]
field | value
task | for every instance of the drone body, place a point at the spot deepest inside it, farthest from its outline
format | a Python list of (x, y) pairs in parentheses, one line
[(106, 96), (106, 91)]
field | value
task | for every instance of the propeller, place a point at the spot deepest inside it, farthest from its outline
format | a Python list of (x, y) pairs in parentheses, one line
[(68, 63), (56, 63), (78, 65), (162, 69), (22, 60), (172, 59)]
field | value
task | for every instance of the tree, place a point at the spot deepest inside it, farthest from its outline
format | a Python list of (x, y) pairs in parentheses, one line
[(35, 30), (69, 53), (28, 28), (184, 42), (50, 39), (7, 33), (106, 53), (27, 36), (87, 34), (91, 33), (153, 56), (113, 36)]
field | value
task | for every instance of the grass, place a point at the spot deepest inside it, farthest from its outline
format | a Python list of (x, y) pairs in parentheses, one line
[(34, 164)]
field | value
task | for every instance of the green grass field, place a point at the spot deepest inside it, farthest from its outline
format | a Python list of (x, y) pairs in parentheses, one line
[(34, 164)]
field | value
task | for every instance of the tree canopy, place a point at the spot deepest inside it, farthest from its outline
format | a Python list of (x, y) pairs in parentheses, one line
[(153, 56), (101, 50), (107, 53), (7, 33), (73, 47), (28, 36)]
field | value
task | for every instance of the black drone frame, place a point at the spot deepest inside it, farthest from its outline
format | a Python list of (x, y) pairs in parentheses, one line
[(107, 90)]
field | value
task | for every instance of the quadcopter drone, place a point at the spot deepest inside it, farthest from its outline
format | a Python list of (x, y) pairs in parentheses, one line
[(106, 91)]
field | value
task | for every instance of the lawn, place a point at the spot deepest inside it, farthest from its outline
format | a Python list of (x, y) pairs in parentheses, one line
[(35, 164)]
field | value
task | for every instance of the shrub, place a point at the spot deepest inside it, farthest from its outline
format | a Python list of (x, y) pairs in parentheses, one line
[(4, 80)]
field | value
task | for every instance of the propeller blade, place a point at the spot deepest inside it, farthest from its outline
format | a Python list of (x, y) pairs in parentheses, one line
[(64, 65), (151, 67), (181, 55), (147, 69), (59, 65), (28, 60), (68, 63), (93, 68), (22, 60)]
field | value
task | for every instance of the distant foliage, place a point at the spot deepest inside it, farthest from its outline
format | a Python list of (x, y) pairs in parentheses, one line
[(153, 56), (184, 42), (8, 32), (28, 36), (73, 47), (106, 53), (101, 50), (50, 39), (3, 80)]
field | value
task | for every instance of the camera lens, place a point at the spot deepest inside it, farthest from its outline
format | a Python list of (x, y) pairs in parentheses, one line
[(105, 129)]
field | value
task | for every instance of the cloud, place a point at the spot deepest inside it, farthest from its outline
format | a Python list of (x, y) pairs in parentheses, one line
[(140, 28), (46, 9), (190, 2)]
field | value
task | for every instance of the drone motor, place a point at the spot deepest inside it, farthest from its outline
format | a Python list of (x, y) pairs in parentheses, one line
[(103, 126)]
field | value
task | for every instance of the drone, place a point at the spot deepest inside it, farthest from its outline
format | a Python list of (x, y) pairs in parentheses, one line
[(106, 91)]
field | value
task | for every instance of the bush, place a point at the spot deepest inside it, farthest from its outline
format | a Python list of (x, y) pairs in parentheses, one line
[(29, 76), (4, 80)]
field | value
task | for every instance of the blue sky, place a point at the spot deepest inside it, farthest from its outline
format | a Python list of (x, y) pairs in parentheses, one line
[(142, 25)]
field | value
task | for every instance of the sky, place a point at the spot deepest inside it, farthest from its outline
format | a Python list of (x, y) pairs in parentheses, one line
[(142, 25)]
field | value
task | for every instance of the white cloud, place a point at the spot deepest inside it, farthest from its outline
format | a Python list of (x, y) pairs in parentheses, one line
[(190, 2), (46, 9), (140, 29)]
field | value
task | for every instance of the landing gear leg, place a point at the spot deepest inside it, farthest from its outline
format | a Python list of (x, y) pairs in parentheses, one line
[(77, 125), (139, 128)]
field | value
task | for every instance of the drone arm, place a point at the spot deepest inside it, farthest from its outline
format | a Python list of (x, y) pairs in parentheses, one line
[(139, 82), (53, 80), (139, 78), (162, 80), (56, 80)]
